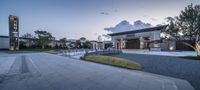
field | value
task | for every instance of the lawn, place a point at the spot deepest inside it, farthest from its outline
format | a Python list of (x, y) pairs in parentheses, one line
[(114, 61)]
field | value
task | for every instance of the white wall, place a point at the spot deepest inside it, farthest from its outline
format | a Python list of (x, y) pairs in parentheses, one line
[(153, 35), (94, 45), (4, 43)]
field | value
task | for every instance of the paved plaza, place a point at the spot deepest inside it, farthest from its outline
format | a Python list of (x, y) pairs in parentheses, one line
[(42, 71)]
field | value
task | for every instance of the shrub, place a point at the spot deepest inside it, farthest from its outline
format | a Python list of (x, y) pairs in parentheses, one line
[(114, 61)]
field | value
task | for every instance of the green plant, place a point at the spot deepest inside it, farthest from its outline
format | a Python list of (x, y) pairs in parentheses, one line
[(114, 61)]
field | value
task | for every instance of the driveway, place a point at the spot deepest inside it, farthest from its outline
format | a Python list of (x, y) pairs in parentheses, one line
[(168, 66), (42, 71)]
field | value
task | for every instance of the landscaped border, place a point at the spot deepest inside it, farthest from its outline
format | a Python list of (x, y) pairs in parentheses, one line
[(114, 61)]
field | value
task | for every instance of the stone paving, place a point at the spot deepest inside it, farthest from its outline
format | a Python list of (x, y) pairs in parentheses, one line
[(168, 66), (42, 71)]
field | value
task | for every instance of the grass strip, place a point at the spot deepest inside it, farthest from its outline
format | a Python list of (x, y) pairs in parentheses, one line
[(114, 61)]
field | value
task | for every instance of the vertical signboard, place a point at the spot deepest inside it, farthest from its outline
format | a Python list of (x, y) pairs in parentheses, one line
[(14, 32)]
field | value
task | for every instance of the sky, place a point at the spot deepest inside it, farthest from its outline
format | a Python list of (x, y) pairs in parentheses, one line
[(85, 18)]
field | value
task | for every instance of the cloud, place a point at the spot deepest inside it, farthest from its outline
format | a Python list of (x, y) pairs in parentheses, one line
[(115, 10), (154, 19), (122, 26), (126, 26), (145, 16), (140, 24)]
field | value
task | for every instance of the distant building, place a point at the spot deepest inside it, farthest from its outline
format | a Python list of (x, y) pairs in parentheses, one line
[(14, 32), (4, 42), (97, 45), (94, 45)]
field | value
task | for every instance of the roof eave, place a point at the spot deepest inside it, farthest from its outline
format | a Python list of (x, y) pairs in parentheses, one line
[(158, 28)]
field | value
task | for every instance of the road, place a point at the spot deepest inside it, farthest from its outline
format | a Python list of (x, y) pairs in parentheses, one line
[(169, 66), (42, 71)]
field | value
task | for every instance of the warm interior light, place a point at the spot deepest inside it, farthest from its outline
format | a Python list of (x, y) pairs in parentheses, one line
[(171, 48), (162, 35), (180, 33)]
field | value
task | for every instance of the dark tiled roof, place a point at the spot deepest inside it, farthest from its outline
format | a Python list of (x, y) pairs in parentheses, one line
[(157, 28)]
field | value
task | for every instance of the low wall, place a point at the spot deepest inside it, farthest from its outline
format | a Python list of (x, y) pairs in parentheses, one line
[(102, 52)]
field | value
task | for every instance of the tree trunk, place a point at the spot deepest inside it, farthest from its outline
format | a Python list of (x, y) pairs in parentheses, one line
[(198, 49), (43, 46)]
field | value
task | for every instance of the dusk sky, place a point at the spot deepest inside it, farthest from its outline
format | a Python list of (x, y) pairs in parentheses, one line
[(85, 18)]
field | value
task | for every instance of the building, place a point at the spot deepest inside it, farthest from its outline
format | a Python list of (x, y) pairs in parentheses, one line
[(147, 38), (4, 42), (14, 32), (97, 45)]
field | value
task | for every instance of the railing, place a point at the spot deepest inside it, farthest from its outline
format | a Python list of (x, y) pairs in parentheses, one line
[(102, 52), (74, 52), (77, 53)]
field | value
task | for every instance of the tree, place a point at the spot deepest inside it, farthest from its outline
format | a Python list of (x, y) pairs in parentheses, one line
[(83, 39), (82, 43), (27, 35), (44, 38), (99, 38), (188, 24), (108, 45), (171, 32), (29, 39), (78, 44), (22, 44), (63, 42), (87, 45), (197, 8), (197, 45)]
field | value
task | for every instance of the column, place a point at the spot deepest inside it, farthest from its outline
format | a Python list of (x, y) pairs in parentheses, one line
[(141, 43)]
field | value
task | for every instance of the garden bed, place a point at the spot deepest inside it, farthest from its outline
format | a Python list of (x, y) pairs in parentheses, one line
[(114, 61)]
